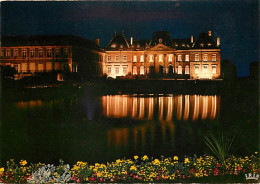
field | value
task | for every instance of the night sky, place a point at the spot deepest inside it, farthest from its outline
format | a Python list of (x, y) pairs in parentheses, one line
[(235, 22)]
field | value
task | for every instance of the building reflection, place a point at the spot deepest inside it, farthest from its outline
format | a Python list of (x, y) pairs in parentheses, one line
[(181, 107), (165, 109)]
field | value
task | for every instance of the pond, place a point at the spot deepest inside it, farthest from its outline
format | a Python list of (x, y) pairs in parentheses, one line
[(100, 128)]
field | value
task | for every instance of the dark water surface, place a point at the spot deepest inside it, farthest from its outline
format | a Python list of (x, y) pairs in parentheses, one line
[(100, 128)]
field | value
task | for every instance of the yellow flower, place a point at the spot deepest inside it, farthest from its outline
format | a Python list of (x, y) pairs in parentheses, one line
[(2, 170), (175, 158), (186, 160), (23, 162), (256, 152), (145, 157), (133, 168), (136, 157), (156, 162)]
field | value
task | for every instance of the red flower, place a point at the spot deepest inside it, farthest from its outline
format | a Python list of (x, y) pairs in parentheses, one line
[(238, 168), (78, 180), (73, 178), (131, 174)]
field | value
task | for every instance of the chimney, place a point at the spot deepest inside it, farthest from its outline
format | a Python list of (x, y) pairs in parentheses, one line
[(97, 40), (131, 40), (191, 39), (209, 33), (218, 41)]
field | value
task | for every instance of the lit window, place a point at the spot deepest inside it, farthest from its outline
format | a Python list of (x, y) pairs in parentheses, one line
[(160, 58), (179, 69), (121, 46), (32, 52), (8, 53), (205, 68), (151, 58), (1, 53), (117, 69), (142, 70), (40, 53), (109, 70), (108, 58), (142, 58), (125, 59), (117, 58), (196, 57), (196, 69), (202, 44), (138, 45), (24, 51), (48, 52), (179, 57), (135, 59), (214, 57), (15, 52), (187, 57), (205, 57), (183, 45), (187, 69), (170, 58), (214, 69), (125, 70), (134, 70)]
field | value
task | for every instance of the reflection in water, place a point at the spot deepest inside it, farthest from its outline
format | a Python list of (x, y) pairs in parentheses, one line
[(181, 107)]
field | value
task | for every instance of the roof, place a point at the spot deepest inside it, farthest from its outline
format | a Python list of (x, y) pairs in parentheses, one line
[(118, 42), (50, 40), (182, 44), (205, 41), (161, 37)]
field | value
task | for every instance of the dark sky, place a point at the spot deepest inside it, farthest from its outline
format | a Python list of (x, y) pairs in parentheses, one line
[(235, 22)]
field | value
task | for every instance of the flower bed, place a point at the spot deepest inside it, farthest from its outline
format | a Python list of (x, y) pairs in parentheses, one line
[(142, 169)]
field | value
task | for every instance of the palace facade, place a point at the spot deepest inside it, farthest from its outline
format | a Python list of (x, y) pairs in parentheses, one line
[(32, 54), (194, 58)]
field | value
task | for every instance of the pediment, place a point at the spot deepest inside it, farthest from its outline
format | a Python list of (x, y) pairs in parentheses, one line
[(160, 47)]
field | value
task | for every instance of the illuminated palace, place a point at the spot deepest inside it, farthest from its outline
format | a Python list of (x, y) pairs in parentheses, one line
[(32, 54), (194, 58)]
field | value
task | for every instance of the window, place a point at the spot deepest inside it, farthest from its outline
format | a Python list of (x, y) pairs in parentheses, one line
[(196, 57), (142, 70), (117, 69), (134, 70), (179, 57), (125, 59), (142, 58), (1, 53), (187, 69), (124, 70), (48, 52), (57, 52), (179, 69), (151, 58), (214, 57), (15, 52), (109, 70), (108, 58), (121, 46), (66, 52), (8, 53), (214, 69), (187, 57), (135, 59), (32, 52), (24, 52), (170, 58), (40, 53), (205, 68), (117, 58), (197, 67), (205, 57), (160, 58)]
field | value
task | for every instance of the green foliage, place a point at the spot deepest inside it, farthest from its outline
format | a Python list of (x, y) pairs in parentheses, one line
[(221, 145)]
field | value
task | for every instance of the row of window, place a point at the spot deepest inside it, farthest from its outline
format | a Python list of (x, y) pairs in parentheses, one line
[(32, 52), (179, 70), (170, 58)]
